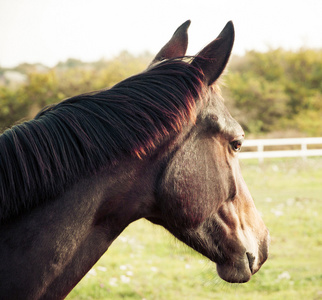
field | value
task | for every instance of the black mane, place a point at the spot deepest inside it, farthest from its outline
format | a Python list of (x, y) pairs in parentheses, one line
[(40, 158)]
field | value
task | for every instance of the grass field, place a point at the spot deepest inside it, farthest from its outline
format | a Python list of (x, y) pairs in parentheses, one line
[(145, 262)]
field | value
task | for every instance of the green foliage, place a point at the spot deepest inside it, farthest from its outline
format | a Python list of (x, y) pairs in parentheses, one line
[(13, 107), (277, 90), (266, 92), (47, 86), (42, 88), (259, 103)]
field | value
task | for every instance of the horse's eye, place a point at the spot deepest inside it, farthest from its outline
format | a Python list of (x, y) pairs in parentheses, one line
[(236, 145)]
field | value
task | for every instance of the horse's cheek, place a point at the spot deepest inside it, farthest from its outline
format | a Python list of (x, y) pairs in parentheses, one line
[(186, 201), (190, 209)]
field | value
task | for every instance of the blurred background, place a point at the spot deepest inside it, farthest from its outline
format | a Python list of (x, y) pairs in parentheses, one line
[(54, 49)]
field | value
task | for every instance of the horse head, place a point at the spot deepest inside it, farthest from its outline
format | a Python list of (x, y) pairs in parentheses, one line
[(202, 198)]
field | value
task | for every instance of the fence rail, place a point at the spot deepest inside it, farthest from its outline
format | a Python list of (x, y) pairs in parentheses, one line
[(260, 152)]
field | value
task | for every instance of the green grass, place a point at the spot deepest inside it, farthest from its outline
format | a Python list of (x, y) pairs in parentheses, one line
[(145, 262)]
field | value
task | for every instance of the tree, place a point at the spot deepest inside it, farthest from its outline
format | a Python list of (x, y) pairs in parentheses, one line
[(277, 90)]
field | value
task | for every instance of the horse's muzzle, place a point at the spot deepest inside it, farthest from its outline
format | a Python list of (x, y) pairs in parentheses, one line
[(241, 270)]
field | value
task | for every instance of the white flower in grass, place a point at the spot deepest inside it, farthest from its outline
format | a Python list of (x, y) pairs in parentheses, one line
[(290, 201), (129, 273), (125, 267), (113, 281), (125, 279), (123, 239), (277, 212), (285, 275), (154, 269), (102, 269), (92, 272), (275, 168)]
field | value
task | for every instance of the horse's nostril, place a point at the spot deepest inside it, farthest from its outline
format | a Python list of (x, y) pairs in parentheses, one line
[(251, 259)]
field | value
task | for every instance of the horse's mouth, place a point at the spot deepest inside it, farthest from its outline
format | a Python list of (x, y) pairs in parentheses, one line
[(251, 260), (239, 272)]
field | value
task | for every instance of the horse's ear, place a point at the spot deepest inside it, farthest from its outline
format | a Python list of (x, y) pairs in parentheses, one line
[(213, 58), (177, 46)]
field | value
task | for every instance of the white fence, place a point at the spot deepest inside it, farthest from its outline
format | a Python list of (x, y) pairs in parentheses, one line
[(302, 152)]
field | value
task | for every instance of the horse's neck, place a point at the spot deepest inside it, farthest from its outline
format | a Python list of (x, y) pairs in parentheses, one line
[(47, 252)]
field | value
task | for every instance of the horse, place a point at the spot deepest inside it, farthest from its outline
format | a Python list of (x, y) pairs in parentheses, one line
[(160, 145)]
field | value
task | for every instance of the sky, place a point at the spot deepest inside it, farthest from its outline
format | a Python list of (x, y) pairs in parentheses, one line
[(49, 31)]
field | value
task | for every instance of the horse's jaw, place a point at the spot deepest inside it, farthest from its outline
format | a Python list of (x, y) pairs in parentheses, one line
[(238, 255)]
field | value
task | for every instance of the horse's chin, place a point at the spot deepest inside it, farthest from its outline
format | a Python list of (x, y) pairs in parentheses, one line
[(233, 273)]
